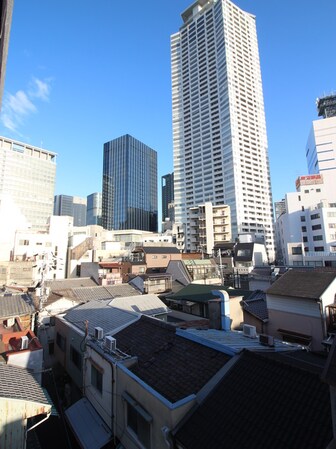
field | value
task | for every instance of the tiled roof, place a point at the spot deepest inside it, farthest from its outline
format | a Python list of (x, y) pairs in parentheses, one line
[(99, 314), (302, 284), (66, 284), (18, 383), (147, 304), (108, 292), (261, 403), (202, 292), (15, 305), (174, 366), (256, 305)]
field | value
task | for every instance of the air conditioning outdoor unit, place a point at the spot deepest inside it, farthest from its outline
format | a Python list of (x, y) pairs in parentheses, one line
[(110, 343), (249, 331), (24, 342), (266, 340), (98, 333)]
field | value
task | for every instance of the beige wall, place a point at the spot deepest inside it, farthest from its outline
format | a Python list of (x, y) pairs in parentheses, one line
[(160, 411), (160, 260), (308, 325)]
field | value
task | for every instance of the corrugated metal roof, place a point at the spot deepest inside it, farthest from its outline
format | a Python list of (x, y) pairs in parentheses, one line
[(15, 305), (100, 314), (233, 341), (18, 383), (91, 430)]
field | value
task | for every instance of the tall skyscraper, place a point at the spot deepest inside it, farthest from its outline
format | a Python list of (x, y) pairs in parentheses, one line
[(27, 182), (129, 185), (94, 209), (73, 206), (167, 192), (219, 129)]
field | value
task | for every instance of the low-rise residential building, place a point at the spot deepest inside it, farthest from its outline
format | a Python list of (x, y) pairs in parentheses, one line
[(21, 398), (297, 303)]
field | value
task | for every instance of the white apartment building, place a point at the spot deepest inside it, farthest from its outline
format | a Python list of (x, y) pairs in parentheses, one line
[(27, 182), (306, 232), (209, 224), (219, 129)]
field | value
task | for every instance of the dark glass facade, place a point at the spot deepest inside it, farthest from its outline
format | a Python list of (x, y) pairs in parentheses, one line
[(129, 185), (167, 191)]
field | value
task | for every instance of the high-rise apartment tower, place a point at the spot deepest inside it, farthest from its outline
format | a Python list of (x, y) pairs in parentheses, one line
[(129, 199), (219, 130)]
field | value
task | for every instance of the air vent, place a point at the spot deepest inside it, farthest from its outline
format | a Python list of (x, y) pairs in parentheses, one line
[(98, 333), (266, 340), (249, 331), (110, 343)]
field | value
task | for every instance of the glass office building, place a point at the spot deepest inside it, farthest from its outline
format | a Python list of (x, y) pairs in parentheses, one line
[(129, 198)]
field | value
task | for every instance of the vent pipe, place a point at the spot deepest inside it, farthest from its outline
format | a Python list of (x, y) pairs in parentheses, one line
[(224, 308)]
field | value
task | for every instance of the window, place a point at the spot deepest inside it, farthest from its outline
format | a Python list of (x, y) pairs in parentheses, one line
[(60, 341), (315, 227), (138, 421), (303, 218), (76, 358), (317, 237), (305, 239), (51, 347), (97, 378), (303, 228), (318, 248), (315, 216), (23, 242), (296, 251)]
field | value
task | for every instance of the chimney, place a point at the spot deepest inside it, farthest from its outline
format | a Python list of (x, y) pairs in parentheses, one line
[(220, 316)]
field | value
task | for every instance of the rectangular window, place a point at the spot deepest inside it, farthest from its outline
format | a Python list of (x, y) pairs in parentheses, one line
[(76, 358), (315, 227), (97, 378), (303, 218), (138, 421), (60, 341), (303, 228), (296, 251), (318, 248), (317, 237), (305, 239), (315, 216), (51, 347)]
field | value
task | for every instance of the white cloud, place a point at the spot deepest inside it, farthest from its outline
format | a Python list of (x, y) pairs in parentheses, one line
[(19, 106), (40, 89)]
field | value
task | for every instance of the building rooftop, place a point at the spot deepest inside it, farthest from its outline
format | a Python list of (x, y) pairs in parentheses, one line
[(203, 292), (18, 383), (12, 305), (99, 314), (174, 366), (261, 403), (160, 250), (302, 284), (146, 304), (233, 342), (256, 305)]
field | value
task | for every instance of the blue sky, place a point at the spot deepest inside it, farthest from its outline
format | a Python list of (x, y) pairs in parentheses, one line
[(81, 73)]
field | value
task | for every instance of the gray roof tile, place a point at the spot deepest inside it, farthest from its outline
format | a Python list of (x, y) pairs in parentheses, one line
[(18, 383), (15, 305)]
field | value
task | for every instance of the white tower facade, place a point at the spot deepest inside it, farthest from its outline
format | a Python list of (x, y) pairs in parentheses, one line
[(219, 130)]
